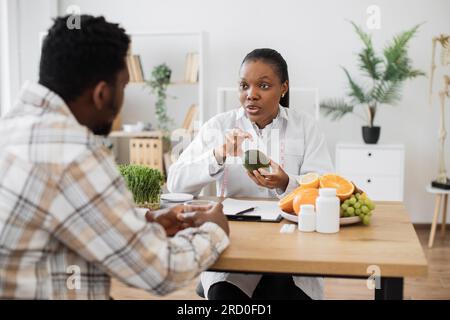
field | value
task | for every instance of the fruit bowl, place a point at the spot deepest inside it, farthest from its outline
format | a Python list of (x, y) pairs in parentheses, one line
[(342, 221), (355, 206)]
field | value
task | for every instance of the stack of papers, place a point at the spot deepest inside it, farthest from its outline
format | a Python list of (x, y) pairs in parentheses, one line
[(267, 210)]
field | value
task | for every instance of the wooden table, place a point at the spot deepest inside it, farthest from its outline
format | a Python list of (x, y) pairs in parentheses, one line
[(387, 250)]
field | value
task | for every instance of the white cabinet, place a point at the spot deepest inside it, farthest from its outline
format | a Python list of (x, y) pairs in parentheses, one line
[(376, 169)]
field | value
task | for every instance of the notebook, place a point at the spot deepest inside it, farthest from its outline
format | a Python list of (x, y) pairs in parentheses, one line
[(267, 211)]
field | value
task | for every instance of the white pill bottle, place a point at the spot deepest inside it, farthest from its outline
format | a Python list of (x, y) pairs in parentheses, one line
[(327, 211)]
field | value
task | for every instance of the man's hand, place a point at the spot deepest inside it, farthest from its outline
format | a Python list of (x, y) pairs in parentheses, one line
[(169, 219), (215, 214), (173, 219), (275, 179)]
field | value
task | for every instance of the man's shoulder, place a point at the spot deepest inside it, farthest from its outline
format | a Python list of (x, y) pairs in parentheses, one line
[(51, 138)]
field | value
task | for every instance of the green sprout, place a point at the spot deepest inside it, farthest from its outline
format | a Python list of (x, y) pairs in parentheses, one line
[(144, 183)]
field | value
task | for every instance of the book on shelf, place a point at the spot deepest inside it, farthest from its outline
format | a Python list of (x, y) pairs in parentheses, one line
[(135, 68), (192, 67), (130, 69), (188, 123), (140, 72)]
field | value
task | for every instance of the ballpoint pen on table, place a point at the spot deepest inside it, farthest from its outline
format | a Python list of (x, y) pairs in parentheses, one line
[(245, 211)]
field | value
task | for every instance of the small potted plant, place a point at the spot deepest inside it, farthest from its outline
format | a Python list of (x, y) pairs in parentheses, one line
[(144, 183), (160, 80), (387, 75)]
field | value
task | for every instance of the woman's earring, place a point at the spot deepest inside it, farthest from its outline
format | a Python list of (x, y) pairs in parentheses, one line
[(283, 95)]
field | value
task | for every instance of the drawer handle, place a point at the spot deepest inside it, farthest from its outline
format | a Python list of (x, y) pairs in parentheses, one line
[(369, 181), (369, 154)]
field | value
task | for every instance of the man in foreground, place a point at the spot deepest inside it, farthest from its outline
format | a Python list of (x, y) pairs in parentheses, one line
[(67, 221)]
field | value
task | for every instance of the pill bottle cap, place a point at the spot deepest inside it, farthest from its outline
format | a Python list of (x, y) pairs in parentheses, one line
[(306, 209), (327, 192)]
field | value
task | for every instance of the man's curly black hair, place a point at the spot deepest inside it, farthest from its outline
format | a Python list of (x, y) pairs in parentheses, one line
[(73, 60)]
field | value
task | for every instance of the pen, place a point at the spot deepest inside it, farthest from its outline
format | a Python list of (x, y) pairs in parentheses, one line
[(245, 211), (243, 218)]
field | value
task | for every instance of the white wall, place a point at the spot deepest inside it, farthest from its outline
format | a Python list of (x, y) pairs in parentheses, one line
[(9, 47), (315, 39), (35, 16), (21, 50), (1, 55)]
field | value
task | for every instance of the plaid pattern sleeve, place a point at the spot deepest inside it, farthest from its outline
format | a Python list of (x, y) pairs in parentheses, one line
[(94, 216)]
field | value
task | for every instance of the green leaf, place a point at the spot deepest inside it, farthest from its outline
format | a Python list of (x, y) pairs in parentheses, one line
[(356, 92), (398, 65), (368, 61), (158, 83), (366, 38), (369, 64), (415, 73), (335, 108), (387, 92), (144, 183)]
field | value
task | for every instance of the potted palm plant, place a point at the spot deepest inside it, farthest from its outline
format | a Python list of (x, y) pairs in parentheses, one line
[(144, 183), (386, 73)]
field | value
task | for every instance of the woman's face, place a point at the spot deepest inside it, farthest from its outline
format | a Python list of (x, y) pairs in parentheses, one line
[(260, 90)]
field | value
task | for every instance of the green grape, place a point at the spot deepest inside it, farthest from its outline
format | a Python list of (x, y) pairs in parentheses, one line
[(352, 200), (364, 209), (366, 220), (344, 206), (346, 214), (358, 211), (357, 205), (351, 211), (358, 195), (371, 205), (347, 202)]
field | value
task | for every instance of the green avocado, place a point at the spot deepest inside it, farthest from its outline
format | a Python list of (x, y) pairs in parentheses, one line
[(255, 159)]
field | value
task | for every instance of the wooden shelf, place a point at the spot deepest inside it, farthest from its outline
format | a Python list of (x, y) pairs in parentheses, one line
[(141, 134)]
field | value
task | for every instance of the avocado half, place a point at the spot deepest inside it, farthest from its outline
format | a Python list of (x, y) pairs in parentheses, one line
[(255, 159)]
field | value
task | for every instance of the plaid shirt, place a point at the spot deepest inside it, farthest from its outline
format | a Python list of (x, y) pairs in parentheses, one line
[(67, 221)]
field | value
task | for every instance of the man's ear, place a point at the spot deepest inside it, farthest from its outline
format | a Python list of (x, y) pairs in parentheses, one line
[(101, 95)]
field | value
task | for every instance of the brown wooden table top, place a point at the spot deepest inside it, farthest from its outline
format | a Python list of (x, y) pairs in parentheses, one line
[(389, 242)]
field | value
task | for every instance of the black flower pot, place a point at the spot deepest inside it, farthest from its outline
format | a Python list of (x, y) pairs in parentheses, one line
[(371, 134)]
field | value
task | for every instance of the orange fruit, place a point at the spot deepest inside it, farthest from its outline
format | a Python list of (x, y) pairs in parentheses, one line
[(309, 180), (305, 196), (344, 188), (286, 204)]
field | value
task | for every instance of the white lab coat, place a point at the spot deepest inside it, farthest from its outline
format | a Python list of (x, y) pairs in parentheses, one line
[(292, 140)]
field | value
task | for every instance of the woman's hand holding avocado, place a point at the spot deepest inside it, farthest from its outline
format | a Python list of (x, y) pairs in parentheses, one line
[(275, 179)]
